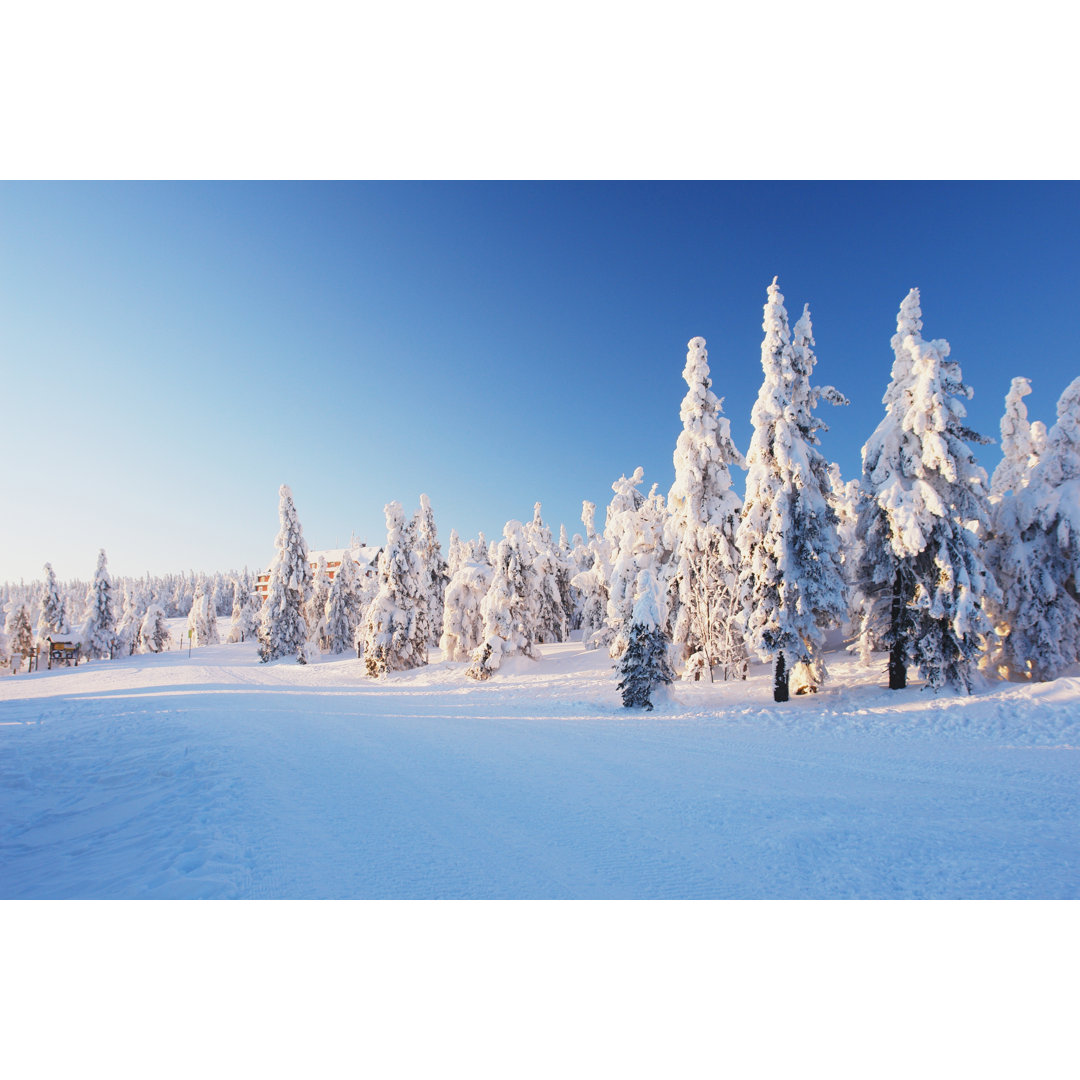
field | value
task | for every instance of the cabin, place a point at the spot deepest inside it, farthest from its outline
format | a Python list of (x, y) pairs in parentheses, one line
[(63, 648), (364, 557)]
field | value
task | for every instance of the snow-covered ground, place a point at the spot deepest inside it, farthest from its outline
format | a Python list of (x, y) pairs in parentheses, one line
[(217, 776)]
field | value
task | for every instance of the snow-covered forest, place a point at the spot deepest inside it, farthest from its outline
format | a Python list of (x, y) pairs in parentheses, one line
[(924, 564)]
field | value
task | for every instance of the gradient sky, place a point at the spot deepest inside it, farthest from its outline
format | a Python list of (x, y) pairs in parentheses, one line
[(182, 349)]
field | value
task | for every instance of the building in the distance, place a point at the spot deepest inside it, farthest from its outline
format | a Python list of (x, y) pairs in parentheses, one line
[(365, 558)]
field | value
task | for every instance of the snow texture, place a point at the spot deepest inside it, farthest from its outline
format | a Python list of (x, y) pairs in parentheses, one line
[(159, 776)]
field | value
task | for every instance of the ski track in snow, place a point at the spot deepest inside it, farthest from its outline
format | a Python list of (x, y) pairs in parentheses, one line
[(219, 777)]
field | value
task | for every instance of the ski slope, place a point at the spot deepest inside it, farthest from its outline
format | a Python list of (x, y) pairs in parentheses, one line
[(215, 776)]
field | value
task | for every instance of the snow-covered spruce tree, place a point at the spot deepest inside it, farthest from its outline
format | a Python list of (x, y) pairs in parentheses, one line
[(547, 613), (342, 614), (20, 633), (844, 498), (99, 630), (282, 628), (223, 595), (703, 514), (637, 538), (154, 632), (620, 537), (506, 627), (1037, 553), (202, 619), (456, 554), (53, 617), (591, 582), (395, 631), (643, 664), (434, 574), (790, 583), (565, 569), (1011, 552), (315, 609), (5, 644), (463, 623), (923, 519), (245, 611), (1017, 445), (129, 627)]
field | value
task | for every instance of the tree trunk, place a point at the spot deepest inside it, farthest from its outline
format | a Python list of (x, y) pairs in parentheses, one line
[(897, 667), (780, 680)]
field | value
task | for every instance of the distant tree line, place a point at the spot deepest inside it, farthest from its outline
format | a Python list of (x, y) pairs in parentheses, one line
[(923, 563)]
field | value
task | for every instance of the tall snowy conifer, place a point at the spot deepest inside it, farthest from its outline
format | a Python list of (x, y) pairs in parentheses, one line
[(1017, 445), (463, 621), (283, 630), (547, 613), (703, 517), (342, 615), (20, 633), (923, 518), (245, 611), (631, 533), (99, 630), (790, 582), (591, 582), (395, 631), (1037, 552), (433, 568), (129, 628), (53, 618), (315, 609), (154, 632), (507, 630)]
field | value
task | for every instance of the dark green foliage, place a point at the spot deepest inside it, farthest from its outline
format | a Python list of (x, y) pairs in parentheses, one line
[(643, 666)]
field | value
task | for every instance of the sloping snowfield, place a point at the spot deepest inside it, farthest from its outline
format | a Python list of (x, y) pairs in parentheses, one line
[(216, 776)]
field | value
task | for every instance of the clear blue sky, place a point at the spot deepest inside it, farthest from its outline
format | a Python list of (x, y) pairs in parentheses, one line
[(186, 348)]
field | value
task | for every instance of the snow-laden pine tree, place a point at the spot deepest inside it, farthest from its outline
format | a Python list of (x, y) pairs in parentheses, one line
[(434, 574), (53, 617), (923, 519), (621, 539), (506, 629), (154, 632), (5, 643), (20, 633), (342, 615), (315, 609), (703, 514), (1018, 447), (245, 611), (395, 630), (223, 595), (129, 627), (565, 569), (202, 619), (282, 628), (1010, 552), (456, 554), (591, 582), (99, 629), (547, 614), (643, 664), (790, 582), (1037, 553), (463, 621)]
